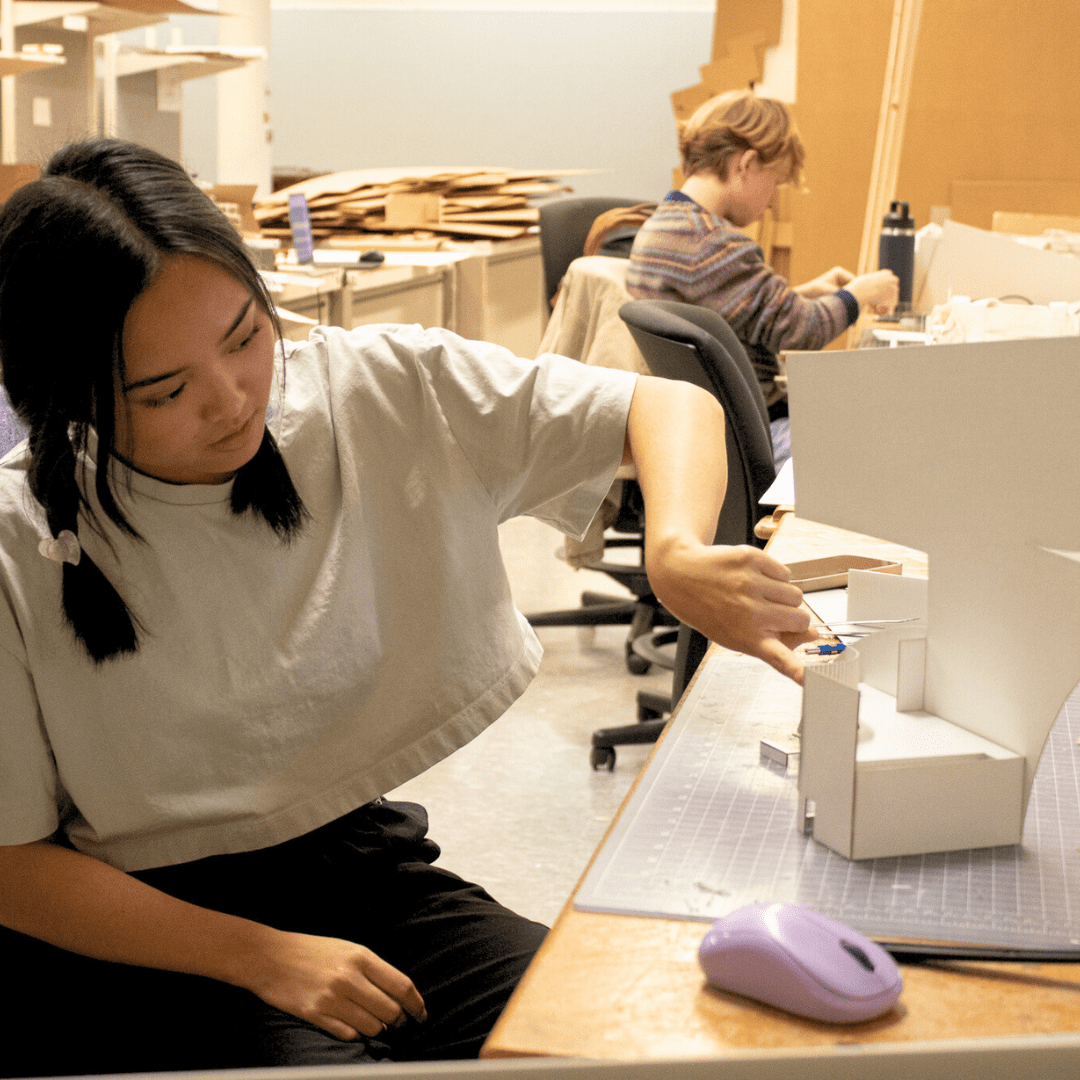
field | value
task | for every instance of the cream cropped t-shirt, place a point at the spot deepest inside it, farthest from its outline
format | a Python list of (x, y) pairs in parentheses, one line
[(279, 686)]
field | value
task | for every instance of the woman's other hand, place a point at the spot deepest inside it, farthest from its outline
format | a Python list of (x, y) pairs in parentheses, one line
[(339, 986)]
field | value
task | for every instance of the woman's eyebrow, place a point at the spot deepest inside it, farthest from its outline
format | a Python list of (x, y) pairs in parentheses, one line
[(239, 319), (137, 385)]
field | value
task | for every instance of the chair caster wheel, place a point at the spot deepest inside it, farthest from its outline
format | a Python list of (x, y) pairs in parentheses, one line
[(603, 757), (637, 665)]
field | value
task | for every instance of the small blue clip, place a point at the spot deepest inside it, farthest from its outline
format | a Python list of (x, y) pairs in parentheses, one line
[(827, 649)]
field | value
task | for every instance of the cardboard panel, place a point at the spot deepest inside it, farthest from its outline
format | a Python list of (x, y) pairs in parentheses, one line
[(13, 177), (841, 69), (737, 17), (991, 97), (974, 202), (1025, 224)]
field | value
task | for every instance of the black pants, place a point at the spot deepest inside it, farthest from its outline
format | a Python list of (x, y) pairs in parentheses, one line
[(366, 878)]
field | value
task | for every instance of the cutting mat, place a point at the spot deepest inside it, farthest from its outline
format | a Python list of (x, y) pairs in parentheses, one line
[(711, 826)]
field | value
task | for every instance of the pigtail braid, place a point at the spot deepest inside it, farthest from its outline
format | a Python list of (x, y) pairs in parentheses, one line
[(92, 607)]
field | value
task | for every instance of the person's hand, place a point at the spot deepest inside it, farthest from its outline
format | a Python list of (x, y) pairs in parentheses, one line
[(824, 284), (877, 292), (339, 986), (739, 597)]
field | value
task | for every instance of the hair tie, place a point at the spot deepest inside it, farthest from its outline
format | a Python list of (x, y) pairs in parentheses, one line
[(64, 549)]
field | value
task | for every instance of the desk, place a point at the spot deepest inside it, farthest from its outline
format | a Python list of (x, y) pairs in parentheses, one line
[(391, 293), (628, 988), (483, 290), (500, 293)]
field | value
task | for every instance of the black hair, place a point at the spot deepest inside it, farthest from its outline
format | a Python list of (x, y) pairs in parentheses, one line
[(102, 217)]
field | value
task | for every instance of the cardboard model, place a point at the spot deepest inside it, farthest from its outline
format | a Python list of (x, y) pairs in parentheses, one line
[(926, 737)]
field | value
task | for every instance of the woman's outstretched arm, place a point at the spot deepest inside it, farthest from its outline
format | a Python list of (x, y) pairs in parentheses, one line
[(739, 597)]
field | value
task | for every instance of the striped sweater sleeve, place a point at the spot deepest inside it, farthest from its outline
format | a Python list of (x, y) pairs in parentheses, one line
[(684, 253)]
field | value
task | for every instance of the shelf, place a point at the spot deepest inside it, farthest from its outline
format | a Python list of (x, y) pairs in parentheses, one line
[(20, 63), (184, 62), (103, 18), (31, 12)]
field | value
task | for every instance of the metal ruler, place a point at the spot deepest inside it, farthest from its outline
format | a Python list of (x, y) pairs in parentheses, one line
[(711, 826)]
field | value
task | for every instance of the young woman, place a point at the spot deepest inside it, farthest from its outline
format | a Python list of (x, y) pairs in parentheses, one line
[(247, 587)]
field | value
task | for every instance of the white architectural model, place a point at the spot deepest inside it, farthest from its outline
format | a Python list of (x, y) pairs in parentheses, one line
[(926, 736)]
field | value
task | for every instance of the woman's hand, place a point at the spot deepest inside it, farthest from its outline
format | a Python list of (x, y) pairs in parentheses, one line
[(339, 986), (739, 597), (83, 905), (736, 596), (824, 284)]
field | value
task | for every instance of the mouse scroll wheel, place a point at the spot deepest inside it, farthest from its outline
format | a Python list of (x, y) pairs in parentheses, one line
[(859, 955)]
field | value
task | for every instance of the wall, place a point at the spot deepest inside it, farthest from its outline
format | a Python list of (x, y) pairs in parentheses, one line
[(991, 99), (525, 85)]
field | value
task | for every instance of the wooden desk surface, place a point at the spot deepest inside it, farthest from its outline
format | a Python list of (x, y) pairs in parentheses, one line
[(629, 988)]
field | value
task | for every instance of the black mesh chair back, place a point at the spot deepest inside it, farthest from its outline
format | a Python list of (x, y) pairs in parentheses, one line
[(564, 227), (696, 345)]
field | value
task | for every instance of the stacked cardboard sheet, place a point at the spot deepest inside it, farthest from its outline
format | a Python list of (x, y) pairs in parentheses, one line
[(404, 203)]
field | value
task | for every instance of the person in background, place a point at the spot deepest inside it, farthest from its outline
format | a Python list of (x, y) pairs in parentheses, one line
[(249, 586), (736, 150)]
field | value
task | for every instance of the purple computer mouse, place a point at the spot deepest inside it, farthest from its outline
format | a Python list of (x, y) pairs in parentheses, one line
[(800, 961)]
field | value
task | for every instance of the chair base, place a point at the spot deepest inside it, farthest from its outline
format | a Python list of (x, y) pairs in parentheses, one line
[(597, 609), (652, 709), (642, 614), (604, 741)]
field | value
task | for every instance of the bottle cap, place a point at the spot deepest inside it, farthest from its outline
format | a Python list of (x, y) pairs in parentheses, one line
[(898, 216)]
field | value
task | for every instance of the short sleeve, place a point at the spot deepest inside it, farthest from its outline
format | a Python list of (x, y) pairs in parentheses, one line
[(544, 436), (28, 782)]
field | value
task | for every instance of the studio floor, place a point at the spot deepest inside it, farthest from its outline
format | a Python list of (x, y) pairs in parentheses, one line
[(520, 810)]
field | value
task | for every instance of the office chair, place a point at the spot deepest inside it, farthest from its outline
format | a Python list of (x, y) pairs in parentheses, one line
[(564, 227), (695, 344)]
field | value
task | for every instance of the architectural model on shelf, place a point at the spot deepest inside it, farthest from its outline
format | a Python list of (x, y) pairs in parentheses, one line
[(925, 736), (115, 85)]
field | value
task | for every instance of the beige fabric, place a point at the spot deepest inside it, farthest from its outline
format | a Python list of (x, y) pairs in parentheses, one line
[(585, 324)]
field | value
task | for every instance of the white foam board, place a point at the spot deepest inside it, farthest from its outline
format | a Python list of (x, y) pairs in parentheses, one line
[(961, 451), (980, 264)]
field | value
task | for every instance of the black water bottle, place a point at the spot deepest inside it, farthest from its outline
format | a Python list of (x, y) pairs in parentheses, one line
[(896, 250)]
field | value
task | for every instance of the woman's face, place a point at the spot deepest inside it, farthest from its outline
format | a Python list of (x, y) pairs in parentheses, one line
[(199, 362)]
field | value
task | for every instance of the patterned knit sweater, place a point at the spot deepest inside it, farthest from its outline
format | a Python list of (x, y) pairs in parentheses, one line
[(685, 253)]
